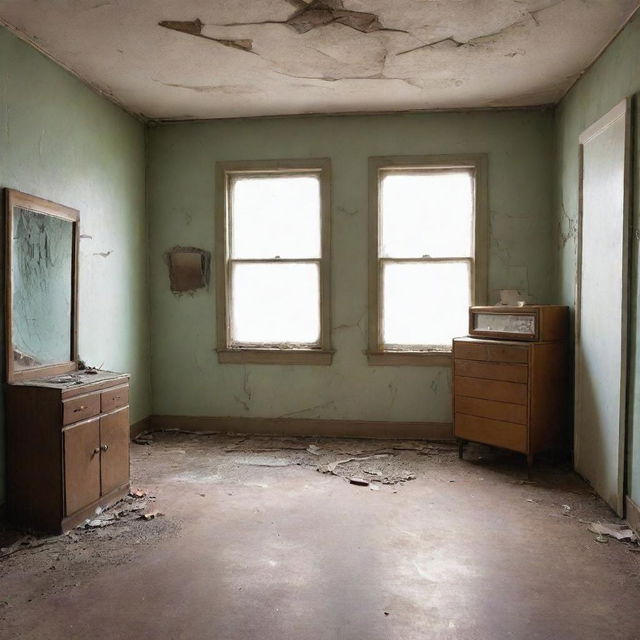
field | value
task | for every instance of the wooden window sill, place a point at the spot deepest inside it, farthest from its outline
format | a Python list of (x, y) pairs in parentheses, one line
[(275, 356), (410, 358)]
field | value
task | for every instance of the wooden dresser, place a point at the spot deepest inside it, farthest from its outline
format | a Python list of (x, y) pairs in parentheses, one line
[(510, 394), (68, 439)]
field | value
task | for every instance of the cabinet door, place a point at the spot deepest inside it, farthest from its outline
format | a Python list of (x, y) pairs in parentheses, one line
[(114, 444), (81, 465)]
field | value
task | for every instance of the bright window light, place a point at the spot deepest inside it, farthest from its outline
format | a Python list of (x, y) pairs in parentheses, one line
[(274, 232), (425, 303), (275, 303), (426, 214), (275, 217), (425, 257)]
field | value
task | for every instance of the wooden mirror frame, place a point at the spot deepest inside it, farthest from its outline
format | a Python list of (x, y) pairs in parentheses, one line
[(14, 199)]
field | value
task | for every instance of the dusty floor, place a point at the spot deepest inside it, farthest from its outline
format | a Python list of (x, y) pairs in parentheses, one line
[(265, 538)]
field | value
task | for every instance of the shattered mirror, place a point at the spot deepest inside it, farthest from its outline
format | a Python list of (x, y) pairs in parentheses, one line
[(41, 287)]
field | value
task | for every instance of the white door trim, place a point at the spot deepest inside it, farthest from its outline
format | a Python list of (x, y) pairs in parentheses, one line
[(621, 110)]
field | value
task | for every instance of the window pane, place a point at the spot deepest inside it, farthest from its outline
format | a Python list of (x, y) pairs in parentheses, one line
[(275, 303), (426, 213), (424, 304), (275, 216)]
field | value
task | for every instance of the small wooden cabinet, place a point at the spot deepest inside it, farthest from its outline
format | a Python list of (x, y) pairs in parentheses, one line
[(510, 394), (69, 448)]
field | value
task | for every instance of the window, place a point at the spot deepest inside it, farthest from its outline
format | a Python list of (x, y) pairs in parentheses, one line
[(272, 252), (427, 255)]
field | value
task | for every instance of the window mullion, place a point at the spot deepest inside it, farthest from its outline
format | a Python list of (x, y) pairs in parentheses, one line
[(275, 260), (424, 259)]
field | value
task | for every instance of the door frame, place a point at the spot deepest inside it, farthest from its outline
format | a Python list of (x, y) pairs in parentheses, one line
[(622, 109)]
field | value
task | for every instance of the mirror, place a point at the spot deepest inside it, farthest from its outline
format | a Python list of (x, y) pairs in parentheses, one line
[(41, 254)]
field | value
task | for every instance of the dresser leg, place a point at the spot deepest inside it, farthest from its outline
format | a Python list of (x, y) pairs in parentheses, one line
[(460, 448), (529, 465)]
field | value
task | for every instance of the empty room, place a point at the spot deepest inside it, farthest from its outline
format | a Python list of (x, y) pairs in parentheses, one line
[(320, 319)]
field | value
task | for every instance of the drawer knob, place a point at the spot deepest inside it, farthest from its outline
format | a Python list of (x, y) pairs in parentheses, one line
[(104, 447), (96, 451), (80, 408)]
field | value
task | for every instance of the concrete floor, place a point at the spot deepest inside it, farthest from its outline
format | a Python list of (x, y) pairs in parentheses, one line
[(256, 543)]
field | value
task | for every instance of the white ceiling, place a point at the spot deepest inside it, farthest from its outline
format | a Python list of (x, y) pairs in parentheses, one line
[(230, 58)]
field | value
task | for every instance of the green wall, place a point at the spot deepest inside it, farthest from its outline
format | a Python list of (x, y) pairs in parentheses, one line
[(187, 379), (61, 141), (615, 76)]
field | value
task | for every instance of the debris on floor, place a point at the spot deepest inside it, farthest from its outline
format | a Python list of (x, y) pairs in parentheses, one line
[(387, 462), (146, 437), (264, 461), (150, 515), (127, 509), (359, 481), (427, 528), (621, 532), (332, 466), (388, 472), (104, 521), (24, 543)]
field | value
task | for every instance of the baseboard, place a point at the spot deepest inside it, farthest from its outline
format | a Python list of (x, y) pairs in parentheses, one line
[(633, 514), (307, 427), (139, 427)]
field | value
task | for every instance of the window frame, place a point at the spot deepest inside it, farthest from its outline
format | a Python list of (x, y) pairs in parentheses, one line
[(477, 163), (270, 354)]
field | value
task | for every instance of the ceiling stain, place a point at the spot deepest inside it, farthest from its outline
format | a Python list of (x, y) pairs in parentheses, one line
[(527, 16), (235, 89), (194, 28), (321, 13), (489, 37), (320, 56), (327, 78)]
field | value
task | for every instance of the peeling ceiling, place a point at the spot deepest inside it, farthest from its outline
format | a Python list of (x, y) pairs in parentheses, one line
[(197, 59)]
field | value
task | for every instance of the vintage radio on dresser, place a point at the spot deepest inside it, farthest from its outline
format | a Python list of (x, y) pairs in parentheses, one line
[(510, 378), (67, 428)]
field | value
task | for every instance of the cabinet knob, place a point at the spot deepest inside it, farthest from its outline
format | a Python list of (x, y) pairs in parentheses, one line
[(96, 451), (80, 408), (104, 447)]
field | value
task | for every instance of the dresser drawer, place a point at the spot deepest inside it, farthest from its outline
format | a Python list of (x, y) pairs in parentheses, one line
[(491, 352), (492, 370), (80, 408), (505, 411), (114, 398), (495, 432), (512, 392)]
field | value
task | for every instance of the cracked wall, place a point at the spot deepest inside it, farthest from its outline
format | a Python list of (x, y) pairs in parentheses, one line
[(615, 76), (188, 380)]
